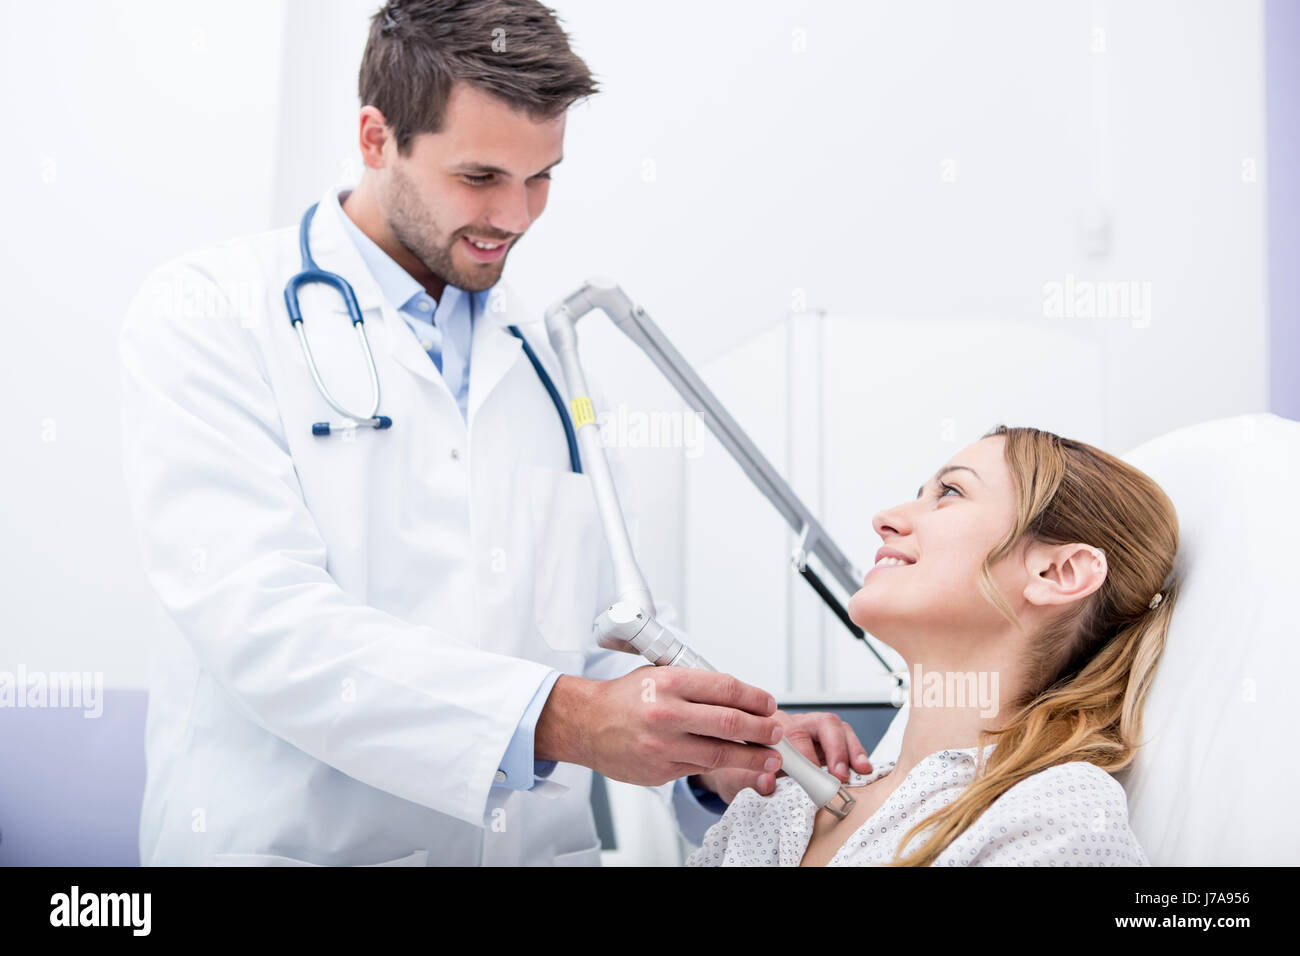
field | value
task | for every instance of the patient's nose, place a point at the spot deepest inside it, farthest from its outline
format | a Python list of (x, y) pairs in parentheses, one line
[(890, 521)]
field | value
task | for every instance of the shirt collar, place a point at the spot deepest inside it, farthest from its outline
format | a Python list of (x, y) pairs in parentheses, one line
[(396, 284)]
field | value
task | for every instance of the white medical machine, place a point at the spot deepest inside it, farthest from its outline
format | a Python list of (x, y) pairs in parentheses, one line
[(628, 623)]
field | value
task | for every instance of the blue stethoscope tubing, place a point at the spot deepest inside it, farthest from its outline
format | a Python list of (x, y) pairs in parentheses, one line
[(313, 273), (575, 461)]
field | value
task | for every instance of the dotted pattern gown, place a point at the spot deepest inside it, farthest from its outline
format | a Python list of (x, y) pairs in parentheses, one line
[(1073, 814)]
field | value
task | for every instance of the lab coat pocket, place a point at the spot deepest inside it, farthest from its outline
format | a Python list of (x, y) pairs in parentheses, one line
[(568, 548)]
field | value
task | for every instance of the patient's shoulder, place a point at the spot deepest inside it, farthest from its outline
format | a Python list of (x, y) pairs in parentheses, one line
[(1071, 814), (1073, 784), (1071, 770), (1076, 793)]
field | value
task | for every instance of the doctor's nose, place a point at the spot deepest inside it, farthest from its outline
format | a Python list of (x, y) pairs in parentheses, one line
[(514, 211)]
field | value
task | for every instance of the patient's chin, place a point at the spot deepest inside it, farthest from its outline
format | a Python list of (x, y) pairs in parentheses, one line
[(875, 616)]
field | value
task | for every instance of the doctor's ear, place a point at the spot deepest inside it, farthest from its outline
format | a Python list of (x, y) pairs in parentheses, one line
[(1063, 573), (374, 137)]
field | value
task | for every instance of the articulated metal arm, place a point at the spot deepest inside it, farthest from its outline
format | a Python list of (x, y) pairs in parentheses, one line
[(604, 294), (629, 623)]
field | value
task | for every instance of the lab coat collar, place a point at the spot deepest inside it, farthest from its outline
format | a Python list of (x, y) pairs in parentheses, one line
[(493, 349)]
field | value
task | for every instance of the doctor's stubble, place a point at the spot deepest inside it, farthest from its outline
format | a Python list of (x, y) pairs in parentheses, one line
[(417, 229)]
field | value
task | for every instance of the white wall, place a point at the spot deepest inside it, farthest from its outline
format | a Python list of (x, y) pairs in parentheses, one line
[(813, 180), (136, 130)]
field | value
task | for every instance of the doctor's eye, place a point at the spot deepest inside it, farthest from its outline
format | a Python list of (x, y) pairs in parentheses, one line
[(485, 178)]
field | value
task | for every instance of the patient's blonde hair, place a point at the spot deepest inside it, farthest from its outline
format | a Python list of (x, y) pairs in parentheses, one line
[(1089, 671)]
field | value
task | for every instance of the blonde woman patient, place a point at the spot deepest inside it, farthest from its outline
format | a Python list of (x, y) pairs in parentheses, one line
[(1032, 602)]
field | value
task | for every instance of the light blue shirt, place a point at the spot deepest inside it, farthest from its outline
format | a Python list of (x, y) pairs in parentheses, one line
[(444, 328)]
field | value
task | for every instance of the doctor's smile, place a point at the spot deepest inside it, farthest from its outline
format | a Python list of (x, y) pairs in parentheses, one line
[(485, 251)]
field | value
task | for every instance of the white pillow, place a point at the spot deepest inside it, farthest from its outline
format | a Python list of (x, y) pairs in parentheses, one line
[(1214, 783)]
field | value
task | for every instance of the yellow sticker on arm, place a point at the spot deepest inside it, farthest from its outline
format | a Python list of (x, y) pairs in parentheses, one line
[(582, 411)]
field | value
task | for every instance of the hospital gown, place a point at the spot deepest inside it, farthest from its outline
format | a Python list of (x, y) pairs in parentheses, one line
[(1072, 814)]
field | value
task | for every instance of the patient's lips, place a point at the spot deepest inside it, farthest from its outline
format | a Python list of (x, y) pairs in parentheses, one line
[(885, 563), (891, 558)]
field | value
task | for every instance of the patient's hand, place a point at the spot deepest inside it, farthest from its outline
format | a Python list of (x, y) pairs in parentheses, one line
[(823, 738)]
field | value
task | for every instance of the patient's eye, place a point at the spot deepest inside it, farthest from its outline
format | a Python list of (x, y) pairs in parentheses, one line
[(943, 491)]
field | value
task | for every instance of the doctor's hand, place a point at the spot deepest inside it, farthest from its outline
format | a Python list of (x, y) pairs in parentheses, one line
[(823, 738), (656, 724)]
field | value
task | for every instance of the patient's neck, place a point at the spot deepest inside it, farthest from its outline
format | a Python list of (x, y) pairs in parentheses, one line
[(943, 720)]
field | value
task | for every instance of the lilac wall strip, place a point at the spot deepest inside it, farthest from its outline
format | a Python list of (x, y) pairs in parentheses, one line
[(71, 788), (1282, 104)]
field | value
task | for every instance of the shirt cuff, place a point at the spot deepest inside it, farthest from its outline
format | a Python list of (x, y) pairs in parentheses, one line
[(519, 770), (696, 809)]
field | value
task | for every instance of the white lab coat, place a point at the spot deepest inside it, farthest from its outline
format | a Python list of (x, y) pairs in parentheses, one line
[(360, 620)]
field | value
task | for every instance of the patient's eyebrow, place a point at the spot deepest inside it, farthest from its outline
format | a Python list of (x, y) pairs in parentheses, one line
[(945, 471)]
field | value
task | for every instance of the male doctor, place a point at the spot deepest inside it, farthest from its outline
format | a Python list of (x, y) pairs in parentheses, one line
[(382, 650)]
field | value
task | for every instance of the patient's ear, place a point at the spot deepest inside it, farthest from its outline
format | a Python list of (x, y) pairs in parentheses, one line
[(1063, 573)]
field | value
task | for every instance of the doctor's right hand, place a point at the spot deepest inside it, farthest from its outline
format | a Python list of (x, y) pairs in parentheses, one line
[(656, 724)]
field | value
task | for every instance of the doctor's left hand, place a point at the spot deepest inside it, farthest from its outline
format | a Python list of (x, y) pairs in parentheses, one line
[(823, 738)]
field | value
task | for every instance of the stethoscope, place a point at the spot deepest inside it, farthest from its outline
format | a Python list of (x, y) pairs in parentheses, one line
[(313, 273)]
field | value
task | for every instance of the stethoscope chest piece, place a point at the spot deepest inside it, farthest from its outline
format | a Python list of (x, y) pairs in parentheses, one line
[(325, 429)]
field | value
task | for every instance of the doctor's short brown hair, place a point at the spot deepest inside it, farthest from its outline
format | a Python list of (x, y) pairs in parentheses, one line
[(513, 49)]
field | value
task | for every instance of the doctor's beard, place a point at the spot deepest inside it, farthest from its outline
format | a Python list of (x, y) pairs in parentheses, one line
[(416, 229)]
